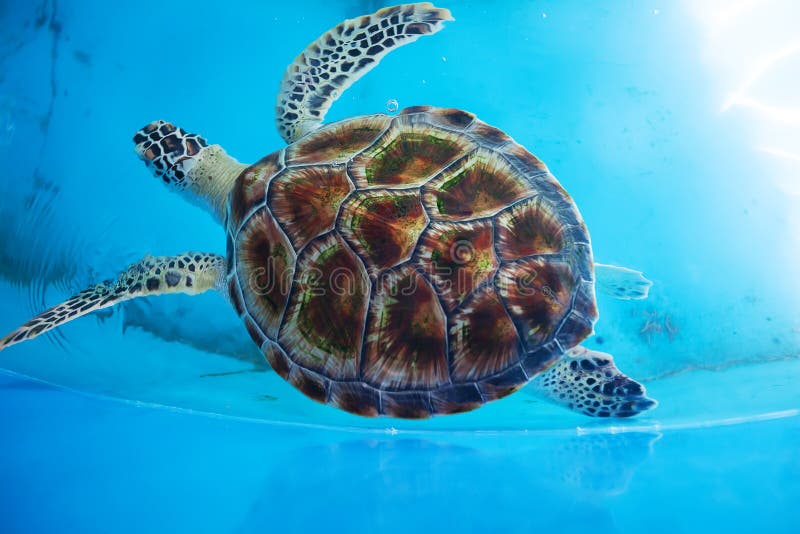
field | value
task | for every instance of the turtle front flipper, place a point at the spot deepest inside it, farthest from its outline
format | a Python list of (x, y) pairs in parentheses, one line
[(621, 283), (191, 273), (587, 381), (332, 63)]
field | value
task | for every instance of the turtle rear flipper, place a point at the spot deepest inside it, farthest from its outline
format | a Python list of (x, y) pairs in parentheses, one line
[(342, 55), (621, 283), (587, 381), (190, 273)]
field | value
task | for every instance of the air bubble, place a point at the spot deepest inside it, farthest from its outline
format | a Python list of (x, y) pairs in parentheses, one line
[(392, 105), (7, 128), (7, 124)]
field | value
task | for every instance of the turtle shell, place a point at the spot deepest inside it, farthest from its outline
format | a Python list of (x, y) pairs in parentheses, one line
[(410, 265)]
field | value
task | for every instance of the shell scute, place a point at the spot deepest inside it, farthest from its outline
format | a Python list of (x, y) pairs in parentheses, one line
[(573, 330), (503, 384), (583, 262), (458, 258), (277, 359), (235, 295), (479, 185), (579, 323), (457, 398), (406, 404), (450, 118), (355, 397), (538, 294), (256, 334), (306, 200), (250, 188), (447, 118), (337, 142), (406, 339), (585, 302), (526, 163), (540, 359), (312, 384), (528, 228), (414, 110), (383, 226), (264, 266), (483, 338), (408, 155), (325, 318), (488, 136)]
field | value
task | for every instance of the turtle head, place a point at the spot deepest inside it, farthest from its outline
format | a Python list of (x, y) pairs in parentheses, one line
[(186, 163)]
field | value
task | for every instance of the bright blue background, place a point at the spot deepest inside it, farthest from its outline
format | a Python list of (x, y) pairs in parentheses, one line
[(674, 125)]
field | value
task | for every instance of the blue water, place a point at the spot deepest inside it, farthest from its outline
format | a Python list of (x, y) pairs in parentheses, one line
[(674, 125)]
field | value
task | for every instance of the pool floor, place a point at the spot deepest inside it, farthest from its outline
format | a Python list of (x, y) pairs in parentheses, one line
[(76, 463)]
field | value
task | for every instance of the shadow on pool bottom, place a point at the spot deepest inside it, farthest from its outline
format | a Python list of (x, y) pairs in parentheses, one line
[(693, 399), (72, 462)]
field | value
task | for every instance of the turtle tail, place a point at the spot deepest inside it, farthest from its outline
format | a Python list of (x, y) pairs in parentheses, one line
[(190, 273)]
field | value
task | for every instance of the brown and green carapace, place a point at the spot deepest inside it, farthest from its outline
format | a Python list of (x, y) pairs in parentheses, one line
[(403, 265)]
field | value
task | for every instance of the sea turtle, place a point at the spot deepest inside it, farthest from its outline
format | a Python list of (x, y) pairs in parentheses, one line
[(407, 265)]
